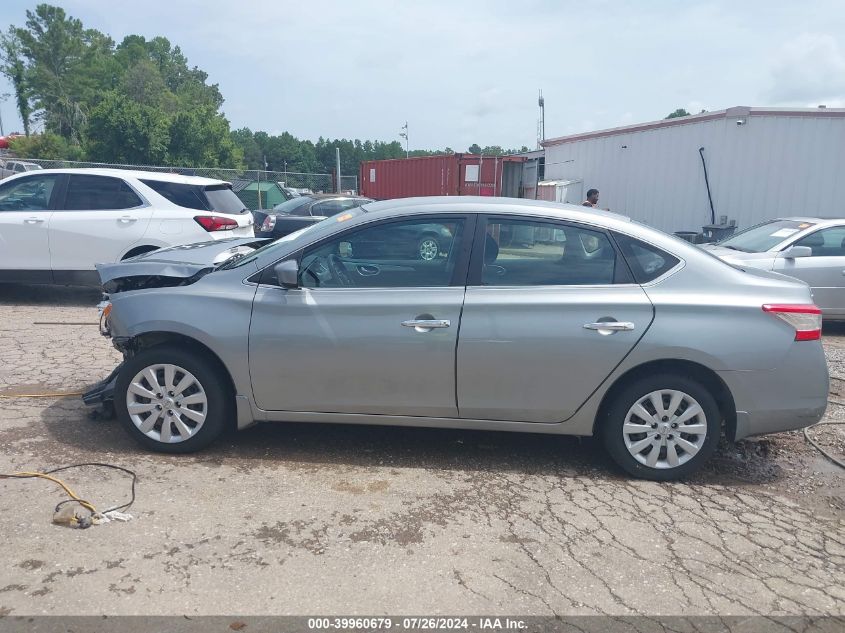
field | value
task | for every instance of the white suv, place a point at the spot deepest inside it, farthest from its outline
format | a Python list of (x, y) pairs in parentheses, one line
[(55, 224)]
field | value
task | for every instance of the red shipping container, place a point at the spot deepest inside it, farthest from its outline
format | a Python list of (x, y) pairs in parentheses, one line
[(452, 175)]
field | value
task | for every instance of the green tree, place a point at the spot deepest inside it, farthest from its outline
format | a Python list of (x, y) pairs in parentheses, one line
[(678, 113), (46, 146), (123, 131), (12, 66)]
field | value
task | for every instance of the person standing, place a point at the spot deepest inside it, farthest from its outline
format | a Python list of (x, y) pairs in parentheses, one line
[(592, 198)]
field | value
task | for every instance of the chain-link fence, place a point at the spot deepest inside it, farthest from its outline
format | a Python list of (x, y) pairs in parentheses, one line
[(257, 189)]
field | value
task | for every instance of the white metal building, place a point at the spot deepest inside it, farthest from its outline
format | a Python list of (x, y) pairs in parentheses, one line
[(761, 163)]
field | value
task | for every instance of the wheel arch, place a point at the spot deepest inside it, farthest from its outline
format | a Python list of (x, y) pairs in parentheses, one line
[(706, 376), (139, 250), (154, 339)]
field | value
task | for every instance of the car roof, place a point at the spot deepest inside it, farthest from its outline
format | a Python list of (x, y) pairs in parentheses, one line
[(497, 205), (137, 174)]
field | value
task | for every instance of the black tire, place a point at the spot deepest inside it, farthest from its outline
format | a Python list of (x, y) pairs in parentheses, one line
[(614, 439), (428, 237), (218, 408)]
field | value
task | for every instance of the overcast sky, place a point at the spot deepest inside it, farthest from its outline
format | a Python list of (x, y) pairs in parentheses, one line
[(463, 72)]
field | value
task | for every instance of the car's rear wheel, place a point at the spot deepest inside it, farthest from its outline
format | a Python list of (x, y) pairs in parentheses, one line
[(172, 400), (428, 248), (662, 427)]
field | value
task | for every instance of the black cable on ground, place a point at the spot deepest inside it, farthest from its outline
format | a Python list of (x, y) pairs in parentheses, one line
[(74, 498)]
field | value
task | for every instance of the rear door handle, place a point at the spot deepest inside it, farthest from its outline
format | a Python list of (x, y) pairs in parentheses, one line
[(424, 325), (34, 220), (127, 219), (613, 326)]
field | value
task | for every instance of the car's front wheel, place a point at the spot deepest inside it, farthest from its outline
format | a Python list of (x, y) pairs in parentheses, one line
[(662, 427), (172, 400)]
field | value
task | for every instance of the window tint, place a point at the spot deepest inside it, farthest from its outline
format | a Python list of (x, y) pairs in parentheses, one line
[(294, 206), (221, 198), (188, 196), (92, 193), (407, 254), (825, 243), (27, 194), (329, 208), (647, 262), (529, 253)]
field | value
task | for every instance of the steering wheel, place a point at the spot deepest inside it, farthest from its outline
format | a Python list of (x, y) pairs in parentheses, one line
[(339, 271)]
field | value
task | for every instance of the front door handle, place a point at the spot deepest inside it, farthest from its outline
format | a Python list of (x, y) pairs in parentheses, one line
[(34, 220), (127, 219), (612, 326), (425, 325)]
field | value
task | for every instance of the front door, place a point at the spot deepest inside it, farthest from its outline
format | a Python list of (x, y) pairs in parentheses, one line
[(824, 270), (25, 210), (364, 333), (548, 315)]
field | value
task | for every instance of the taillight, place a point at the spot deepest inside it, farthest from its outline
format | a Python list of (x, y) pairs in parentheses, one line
[(805, 318), (269, 223), (216, 223)]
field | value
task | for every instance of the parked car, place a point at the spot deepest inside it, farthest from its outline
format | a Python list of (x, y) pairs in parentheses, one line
[(302, 211), (604, 327), (55, 224), (811, 249), (12, 167)]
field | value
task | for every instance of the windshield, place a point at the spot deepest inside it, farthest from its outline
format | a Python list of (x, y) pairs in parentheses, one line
[(289, 206), (313, 231), (762, 237)]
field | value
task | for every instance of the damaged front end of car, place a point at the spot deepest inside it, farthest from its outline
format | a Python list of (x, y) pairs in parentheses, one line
[(165, 268)]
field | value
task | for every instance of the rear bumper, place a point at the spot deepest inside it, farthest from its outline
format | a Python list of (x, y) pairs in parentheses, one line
[(792, 396)]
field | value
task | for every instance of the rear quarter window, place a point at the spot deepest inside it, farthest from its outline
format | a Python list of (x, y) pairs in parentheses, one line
[(188, 196), (646, 262)]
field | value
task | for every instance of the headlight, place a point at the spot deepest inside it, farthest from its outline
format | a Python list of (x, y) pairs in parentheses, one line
[(104, 308)]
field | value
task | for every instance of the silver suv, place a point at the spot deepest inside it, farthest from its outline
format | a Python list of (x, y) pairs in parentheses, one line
[(531, 317)]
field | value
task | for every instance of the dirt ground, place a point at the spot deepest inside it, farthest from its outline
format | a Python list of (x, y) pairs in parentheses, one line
[(298, 518)]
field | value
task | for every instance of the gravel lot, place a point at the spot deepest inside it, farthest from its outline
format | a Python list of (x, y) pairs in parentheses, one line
[(294, 519)]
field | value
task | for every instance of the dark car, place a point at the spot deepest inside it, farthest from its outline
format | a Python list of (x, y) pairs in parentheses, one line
[(302, 211)]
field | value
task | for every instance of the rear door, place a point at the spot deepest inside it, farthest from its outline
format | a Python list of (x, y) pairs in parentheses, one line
[(25, 210), (824, 270), (100, 218), (550, 311)]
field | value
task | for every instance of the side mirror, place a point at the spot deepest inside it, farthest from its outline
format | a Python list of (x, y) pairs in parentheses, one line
[(797, 251), (287, 273)]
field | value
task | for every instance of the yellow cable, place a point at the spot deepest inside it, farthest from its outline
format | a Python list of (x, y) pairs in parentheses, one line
[(56, 480)]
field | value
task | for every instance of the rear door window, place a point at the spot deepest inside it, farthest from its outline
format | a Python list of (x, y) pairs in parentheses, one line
[(535, 253), (95, 193)]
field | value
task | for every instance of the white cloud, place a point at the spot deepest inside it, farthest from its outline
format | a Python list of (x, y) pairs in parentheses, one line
[(809, 68)]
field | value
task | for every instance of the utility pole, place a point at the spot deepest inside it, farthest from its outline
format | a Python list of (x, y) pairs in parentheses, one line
[(541, 122), (404, 134), (337, 168)]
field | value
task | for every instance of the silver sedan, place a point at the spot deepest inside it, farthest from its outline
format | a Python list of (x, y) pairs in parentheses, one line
[(809, 249), (531, 317)]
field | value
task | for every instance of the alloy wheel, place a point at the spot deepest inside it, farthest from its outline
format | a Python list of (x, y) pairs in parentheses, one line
[(167, 403), (665, 429), (429, 249)]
